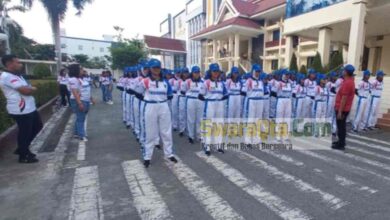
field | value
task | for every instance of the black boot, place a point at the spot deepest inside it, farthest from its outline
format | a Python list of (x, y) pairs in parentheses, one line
[(191, 140), (158, 146), (146, 163), (221, 151), (28, 159), (181, 134), (173, 159), (208, 153)]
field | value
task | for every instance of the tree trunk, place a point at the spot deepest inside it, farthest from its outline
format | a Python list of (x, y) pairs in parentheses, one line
[(57, 42)]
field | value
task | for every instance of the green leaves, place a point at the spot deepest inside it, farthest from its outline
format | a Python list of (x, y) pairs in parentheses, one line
[(127, 53)]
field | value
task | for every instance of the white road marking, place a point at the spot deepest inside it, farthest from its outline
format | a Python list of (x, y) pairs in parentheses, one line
[(284, 158), (86, 201), (274, 203), (354, 185), (81, 151), (354, 157), (217, 207), (349, 183), (361, 150), (373, 146), (369, 139), (355, 169), (147, 200), (329, 199)]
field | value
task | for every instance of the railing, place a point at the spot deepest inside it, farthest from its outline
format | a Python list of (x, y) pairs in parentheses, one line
[(298, 7), (274, 43)]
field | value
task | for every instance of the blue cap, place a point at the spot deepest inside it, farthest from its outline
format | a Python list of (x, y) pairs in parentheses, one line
[(214, 67), (256, 67), (154, 63), (263, 76), (311, 71), (234, 70), (366, 73), (195, 69), (380, 73), (349, 68), (185, 70), (333, 74)]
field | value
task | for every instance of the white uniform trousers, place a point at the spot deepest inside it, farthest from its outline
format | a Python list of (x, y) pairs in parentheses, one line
[(213, 109), (124, 109), (182, 113), (319, 112), (362, 107), (283, 117), (136, 107), (157, 123), (128, 109), (194, 117), (234, 106), (175, 111), (371, 116), (253, 113)]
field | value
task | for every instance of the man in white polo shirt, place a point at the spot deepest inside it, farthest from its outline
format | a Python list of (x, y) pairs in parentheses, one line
[(20, 106)]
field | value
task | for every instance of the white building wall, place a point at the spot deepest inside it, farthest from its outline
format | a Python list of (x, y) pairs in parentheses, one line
[(89, 47)]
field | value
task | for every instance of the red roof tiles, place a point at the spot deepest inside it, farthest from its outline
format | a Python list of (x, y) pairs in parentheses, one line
[(164, 43)]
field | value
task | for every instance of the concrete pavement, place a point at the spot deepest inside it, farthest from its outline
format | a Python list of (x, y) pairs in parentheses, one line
[(105, 179)]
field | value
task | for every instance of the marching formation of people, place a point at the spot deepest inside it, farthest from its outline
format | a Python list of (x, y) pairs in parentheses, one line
[(157, 101)]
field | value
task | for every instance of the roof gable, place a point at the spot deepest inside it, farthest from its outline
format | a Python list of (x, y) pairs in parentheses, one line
[(163, 43)]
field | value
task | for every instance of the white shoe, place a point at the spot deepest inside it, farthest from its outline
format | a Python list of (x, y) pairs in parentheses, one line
[(84, 139)]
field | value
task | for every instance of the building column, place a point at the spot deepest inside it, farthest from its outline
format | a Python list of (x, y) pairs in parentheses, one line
[(250, 49), (324, 44), (236, 49), (289, 51), (215, 50), (230, 51), (357, 33)]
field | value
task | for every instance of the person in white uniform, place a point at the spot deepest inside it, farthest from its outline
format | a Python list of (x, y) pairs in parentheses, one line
[(299, 92), (214, 94), (332, 89), (320, 104), (155, 93), (185, 73), (194, 106), (234, 102), (363, 92), (253, 90), (310, 85), (174, 82), (376, 88), (283, 106)]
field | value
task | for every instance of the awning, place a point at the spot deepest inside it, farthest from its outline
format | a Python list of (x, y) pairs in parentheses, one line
[(240, 25), (165, 44)]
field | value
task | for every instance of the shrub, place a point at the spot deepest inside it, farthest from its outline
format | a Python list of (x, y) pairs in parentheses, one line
[(47, 89), (303, 69), (293, 63), (41, 71)]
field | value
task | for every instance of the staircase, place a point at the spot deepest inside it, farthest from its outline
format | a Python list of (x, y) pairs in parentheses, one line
[(384, 122)]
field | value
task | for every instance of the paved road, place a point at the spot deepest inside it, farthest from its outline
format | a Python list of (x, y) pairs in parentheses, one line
[(105, 179)]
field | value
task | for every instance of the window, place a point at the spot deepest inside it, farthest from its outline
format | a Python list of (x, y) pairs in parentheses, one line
[(63, 46), (101, 49), (310, 61), (80, 47), (274, 64), (276, 35)]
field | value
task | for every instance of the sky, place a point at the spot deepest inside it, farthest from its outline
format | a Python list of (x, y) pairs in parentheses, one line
[(137, 17)]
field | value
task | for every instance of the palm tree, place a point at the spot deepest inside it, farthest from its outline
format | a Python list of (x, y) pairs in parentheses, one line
[(6, 23), (56, 10)]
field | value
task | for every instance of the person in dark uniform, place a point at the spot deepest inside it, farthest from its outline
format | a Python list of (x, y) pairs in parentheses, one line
[(344, 100)]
